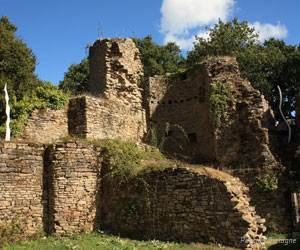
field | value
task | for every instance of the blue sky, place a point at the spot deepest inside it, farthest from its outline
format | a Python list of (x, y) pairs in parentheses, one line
[(59, 30)]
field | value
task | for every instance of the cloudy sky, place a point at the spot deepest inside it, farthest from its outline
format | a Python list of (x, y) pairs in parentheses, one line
[(59, 30)]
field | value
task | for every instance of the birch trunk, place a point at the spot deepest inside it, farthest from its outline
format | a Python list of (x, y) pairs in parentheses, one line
[(7, 134)]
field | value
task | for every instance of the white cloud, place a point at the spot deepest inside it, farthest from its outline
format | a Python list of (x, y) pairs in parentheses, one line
[(269, 30), (181, 20), (178, 16), (185, 43)]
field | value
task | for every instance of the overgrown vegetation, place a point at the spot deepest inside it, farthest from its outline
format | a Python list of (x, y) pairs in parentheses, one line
[(268, 182), (127, 161), (219, 99), (105, 241), (46, 95), (14, 231), (159, 142)]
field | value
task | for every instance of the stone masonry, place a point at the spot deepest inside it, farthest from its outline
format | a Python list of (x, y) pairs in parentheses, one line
[(47, 125), (21, 185), (98, 118), (182, 204), (75, 193), (183, 102), (115, 69), (72, 172), (115, 108), (243, 137)]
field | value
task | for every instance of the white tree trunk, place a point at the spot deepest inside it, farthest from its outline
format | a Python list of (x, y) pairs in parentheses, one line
[(7, 135)]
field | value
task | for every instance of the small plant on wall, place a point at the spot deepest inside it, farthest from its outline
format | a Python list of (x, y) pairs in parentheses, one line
[(269, 181), (166, 135), (219, 99)]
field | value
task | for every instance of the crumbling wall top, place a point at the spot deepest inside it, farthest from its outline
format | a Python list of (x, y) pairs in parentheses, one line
[(115, 69)]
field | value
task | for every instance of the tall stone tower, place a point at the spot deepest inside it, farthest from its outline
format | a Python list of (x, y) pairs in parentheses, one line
[(115, 69), (115, 110)]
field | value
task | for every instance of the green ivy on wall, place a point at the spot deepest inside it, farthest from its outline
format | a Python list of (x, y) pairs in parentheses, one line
[(219, 99)]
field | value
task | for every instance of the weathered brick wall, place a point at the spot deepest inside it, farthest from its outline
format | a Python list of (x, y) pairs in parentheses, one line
[(73, 187), (182, 205), (67, 197), (115, 69), (185, 103), (47, 125), (243, 139), (99, 118), (21, 185)]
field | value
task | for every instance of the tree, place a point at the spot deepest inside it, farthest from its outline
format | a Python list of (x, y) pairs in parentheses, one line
[(26, 91), (17, 61), (158, 60), (225, 39), (76, 78), (264, 65)]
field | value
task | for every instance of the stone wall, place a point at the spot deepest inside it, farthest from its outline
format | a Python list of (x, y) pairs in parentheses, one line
[(47, 125), (115, 69), (21, 185), (191, 205), (99, 118), (243, 139), (72, 171), (65, 189), (183, 102), (114, 111)]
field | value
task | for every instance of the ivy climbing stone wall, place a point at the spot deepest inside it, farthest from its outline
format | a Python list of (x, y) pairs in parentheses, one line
[(227, 120)]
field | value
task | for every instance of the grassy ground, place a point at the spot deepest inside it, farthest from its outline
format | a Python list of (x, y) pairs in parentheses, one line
[(104, 241)]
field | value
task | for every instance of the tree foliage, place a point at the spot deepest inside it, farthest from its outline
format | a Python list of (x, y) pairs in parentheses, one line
[(26, 91), (158, 60), (76, 78), (225, 39), (264, 65)]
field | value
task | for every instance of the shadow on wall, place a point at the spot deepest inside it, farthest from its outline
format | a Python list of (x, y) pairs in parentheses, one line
[(184, 103), (190, 205)]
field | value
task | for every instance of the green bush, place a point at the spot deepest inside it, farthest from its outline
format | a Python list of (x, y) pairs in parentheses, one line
[(123, 157), (46, 95)]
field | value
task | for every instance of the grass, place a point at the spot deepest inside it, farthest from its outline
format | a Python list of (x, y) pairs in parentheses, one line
[(103, 241), (281, 242)]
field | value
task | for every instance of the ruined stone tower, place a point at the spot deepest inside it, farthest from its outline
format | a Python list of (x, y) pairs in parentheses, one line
[(116, 110), (115, 69)]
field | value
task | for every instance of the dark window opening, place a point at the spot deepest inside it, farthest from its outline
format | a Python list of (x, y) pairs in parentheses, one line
[(192, 137), (170, 102), (168, 133)]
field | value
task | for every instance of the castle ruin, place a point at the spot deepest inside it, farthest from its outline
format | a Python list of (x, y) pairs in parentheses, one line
[(59, 182)]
